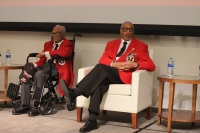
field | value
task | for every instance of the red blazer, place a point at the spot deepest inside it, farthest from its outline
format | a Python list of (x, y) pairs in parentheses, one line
[(65, 71), (142, 57)]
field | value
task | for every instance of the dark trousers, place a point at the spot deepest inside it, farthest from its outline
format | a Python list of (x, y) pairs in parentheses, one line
[(97, 82), (40, 78)]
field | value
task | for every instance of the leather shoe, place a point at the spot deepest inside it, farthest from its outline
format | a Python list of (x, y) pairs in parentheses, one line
[(34, 112), (21, 110), (89, 126), (69, 93)]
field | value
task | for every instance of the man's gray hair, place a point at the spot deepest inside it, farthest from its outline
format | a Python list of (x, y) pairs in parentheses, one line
[(63, 28)]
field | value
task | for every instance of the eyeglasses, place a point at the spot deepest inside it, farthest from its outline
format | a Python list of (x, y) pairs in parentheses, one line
[(126, 29), (55, 33)]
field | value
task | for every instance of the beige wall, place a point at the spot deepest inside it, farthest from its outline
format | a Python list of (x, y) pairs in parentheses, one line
[(184, 50)]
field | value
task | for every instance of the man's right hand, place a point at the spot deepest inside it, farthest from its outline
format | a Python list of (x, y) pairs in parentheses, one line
[(125, 66), (118, 65)]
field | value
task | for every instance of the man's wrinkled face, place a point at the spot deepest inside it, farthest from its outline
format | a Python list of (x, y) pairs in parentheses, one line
[(57, 34), (127, 31)]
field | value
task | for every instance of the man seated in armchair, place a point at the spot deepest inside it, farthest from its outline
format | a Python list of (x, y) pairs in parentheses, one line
[(120, 58)]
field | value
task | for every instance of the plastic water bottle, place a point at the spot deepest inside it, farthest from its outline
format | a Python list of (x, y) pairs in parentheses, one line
[(8, 57), (0, 57), (170, 68)]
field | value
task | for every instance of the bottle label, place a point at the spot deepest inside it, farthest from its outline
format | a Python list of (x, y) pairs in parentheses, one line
[(8, 56), (170, 65)]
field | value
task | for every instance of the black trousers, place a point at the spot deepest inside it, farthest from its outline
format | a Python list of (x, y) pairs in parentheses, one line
[(40, 78), (97, 82)]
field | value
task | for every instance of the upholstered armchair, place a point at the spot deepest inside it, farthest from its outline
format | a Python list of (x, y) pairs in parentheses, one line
[(131, 98)]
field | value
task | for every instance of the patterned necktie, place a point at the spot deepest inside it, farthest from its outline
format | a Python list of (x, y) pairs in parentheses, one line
[(122, 50), (56, 47)]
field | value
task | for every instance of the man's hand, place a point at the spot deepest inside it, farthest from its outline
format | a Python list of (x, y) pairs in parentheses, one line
[(118, 65), (130, 65), (125, 66), (40, 55)]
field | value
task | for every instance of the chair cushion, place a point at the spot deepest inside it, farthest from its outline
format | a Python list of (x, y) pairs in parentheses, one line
[(120, 89)]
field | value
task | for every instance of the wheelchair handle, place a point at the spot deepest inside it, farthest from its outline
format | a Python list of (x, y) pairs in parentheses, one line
[(74, 36), (77, 34), (31, 55)]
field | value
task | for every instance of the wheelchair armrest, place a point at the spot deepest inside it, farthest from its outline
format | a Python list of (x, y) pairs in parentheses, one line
[(57, 57), (32, 54)]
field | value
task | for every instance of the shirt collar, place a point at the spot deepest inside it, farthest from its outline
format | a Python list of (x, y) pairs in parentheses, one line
[(128, 42), (58, 43)]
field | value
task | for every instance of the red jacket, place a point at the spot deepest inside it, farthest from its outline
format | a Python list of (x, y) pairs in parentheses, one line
[(142, 57), (65, 71)]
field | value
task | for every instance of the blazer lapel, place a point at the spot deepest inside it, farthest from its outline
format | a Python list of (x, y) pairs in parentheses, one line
[(116, 47), (130, 49)]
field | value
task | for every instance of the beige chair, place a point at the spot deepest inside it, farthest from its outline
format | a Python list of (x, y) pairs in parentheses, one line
[(131, 98)]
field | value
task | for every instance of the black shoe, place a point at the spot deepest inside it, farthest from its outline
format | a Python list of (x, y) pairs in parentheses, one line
[(21, 110), (34, 112), (69, 93), (89, 126)]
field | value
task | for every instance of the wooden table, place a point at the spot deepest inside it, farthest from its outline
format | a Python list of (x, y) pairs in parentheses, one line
[(179, 116), (3, 94)]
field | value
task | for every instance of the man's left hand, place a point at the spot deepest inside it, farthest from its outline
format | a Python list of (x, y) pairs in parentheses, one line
[(129, 65)]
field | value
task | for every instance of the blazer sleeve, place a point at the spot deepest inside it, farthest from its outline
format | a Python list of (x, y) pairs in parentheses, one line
[(42, 60), (144, 61), (109, 55)]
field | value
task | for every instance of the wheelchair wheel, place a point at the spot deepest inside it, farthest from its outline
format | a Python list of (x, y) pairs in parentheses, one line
[(45, 107), (72, 106)]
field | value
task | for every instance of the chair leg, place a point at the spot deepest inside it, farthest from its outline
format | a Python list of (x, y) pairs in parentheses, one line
[(79, 114), (148, 111), (134, 120)]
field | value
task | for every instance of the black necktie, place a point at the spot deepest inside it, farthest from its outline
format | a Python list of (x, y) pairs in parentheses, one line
[(122, 50), (56, 46)]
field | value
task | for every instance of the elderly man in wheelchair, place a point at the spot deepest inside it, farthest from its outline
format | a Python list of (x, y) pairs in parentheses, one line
[(39, 73)]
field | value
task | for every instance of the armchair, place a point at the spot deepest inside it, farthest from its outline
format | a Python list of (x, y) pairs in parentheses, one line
[(131, 98)]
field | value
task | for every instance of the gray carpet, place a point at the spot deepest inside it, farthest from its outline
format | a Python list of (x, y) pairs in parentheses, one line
[(64, 121)]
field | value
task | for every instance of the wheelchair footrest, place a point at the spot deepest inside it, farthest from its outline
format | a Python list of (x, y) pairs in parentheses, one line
[(45, 107)]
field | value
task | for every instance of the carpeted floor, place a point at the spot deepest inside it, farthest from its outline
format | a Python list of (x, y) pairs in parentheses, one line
[(64, 121)]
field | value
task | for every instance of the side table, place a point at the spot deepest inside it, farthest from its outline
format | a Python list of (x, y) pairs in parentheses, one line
[(3, 95), (179, 116)]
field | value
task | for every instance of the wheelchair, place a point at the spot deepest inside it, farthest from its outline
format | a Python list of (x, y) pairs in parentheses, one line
[(50, 97)]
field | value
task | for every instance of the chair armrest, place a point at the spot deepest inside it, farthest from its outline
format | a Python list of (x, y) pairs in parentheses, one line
[(82, 72), (142, 86)]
